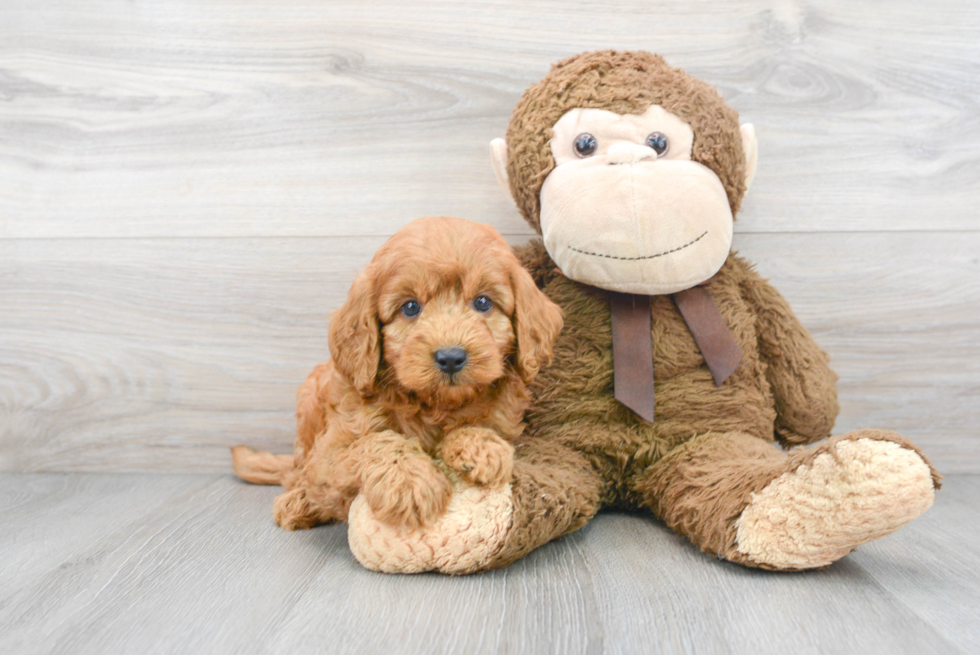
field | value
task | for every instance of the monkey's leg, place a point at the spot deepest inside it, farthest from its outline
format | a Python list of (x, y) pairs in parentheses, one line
[(554, 490), (740, 498)]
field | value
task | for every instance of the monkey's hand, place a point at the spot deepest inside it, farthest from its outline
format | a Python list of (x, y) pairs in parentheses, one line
[(479, 455), (804, 386), (402, 485)]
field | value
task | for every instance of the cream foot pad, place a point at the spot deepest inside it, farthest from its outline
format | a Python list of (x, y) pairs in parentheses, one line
[(467, 536), (821, 511)]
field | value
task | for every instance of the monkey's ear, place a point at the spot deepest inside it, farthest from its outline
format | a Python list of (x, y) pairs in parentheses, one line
[(498, 155), (355, 335), (751, 147), (537, 322)]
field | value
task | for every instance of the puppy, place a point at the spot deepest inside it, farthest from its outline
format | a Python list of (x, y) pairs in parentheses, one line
[(430, 355)]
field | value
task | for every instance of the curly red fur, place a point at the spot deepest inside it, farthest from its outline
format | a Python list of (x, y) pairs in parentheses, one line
[(374, 418)]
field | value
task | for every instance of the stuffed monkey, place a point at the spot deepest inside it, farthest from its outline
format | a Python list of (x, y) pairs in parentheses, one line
[(682, 382)]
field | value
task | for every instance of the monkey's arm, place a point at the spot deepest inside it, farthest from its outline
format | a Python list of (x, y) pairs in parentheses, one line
[(803, 384), (535, 259)]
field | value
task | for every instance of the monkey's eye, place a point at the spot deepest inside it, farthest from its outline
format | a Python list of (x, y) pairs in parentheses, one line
[(482, 304), (411, 309), (658, 141), (585, 145)]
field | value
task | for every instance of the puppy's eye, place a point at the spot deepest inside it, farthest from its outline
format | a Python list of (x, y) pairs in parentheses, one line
[(585, 145), (659, 142), (411, 309), (482, 304)]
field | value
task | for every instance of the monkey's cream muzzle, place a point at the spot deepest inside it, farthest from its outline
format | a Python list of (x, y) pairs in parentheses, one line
[(632, 211), (625, 216), (644, 226)]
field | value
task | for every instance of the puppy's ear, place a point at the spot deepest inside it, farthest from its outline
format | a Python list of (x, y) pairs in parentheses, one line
[(537, 322), (355, 335)]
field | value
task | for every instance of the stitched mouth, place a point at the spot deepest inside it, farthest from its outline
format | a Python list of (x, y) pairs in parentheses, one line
[(659, 254)]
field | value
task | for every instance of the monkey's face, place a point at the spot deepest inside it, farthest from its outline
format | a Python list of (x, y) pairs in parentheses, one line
[(626, 209)]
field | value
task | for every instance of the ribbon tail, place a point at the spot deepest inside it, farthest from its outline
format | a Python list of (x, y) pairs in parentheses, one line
[(633, 352), (713, 336)]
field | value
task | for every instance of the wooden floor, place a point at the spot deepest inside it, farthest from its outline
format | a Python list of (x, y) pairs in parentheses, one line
[(128, 563)]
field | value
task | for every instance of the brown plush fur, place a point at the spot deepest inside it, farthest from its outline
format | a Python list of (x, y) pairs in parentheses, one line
[(603, 454), (711, 446), (373, 418)]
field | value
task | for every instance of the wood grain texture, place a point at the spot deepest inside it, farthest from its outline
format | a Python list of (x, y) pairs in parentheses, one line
[(48, 520), (936, 556), (158, 354), (205, 570), (228, 119), (187, 188)]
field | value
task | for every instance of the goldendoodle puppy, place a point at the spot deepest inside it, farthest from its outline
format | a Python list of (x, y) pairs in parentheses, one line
[(430, 354)]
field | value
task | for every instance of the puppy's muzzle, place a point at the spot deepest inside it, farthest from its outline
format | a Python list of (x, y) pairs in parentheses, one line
[(450, 360)]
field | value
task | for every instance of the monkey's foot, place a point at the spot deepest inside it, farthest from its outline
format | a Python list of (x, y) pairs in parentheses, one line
[(463, 540), (856, 490)]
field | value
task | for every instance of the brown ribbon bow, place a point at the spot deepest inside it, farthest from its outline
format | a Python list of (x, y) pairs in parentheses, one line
[(633, 347)]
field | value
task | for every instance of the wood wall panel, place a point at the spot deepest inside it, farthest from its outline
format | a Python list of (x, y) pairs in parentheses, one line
[(338, 118), (187, 188), (159, 353)]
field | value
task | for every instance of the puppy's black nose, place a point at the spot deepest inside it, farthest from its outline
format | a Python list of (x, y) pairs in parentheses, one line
[(450, 360)]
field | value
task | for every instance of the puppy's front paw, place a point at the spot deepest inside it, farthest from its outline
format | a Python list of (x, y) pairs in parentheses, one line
[(409, 492), (480, 455)]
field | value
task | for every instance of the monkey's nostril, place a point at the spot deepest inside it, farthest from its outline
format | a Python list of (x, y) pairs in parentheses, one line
[(450, 360)]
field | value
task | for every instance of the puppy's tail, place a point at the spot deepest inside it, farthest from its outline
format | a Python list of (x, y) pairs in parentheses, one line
[(259, 468)]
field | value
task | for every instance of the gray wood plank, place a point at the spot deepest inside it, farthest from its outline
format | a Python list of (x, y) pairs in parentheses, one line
[(657, 593), (49, 520), (545, 604), (208, 571), (933, 565), (297, 118), (122, 354), (204, 573)]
